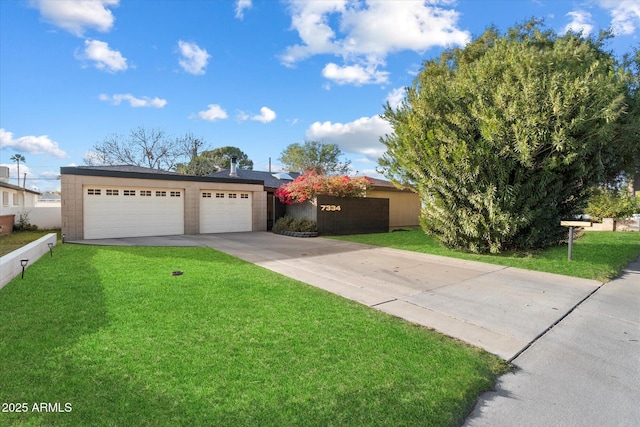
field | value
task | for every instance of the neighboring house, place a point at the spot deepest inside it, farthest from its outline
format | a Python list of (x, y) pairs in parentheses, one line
[(404, 204), (16, 201), (130, 201), (49, 199)]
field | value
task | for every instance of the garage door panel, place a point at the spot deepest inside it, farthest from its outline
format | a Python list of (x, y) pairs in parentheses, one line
[(220, 212), (107, 214)]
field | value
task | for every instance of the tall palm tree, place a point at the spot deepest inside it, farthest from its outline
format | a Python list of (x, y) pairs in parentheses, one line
[(18, 158)]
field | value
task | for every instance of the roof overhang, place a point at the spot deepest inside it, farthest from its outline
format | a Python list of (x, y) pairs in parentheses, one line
[(159, 176), (17, 188)]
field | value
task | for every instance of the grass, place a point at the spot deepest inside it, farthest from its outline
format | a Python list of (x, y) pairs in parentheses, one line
[(17, 239), (597, 255), (110, 331)]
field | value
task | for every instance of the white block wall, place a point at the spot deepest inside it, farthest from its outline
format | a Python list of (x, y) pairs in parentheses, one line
[(10, 264)]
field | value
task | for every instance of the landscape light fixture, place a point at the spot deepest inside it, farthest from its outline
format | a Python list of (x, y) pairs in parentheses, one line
[(23, 263), (50, 249), (63, 238)]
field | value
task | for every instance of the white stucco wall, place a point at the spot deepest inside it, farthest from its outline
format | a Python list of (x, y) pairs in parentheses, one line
[(44, 215)]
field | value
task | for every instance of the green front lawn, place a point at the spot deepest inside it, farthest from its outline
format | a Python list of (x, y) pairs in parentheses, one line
[(109, 331), (599, 255)]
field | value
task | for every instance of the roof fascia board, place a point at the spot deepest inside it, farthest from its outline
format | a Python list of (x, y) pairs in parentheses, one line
[(159, 176)]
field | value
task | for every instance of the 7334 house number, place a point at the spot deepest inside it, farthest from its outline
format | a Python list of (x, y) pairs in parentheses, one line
[(330, 208)]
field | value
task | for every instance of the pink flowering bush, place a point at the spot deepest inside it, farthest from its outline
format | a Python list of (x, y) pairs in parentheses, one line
[(307, 186)]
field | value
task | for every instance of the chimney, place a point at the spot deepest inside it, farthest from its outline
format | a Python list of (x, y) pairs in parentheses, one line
[(234, 166), (4, 174)]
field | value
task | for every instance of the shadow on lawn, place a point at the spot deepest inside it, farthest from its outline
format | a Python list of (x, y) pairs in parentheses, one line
[(41, 316)]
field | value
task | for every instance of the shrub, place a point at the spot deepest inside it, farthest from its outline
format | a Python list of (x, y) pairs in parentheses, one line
[(23, 223), (304, 225), (612, 204), (282, 224), (288, 223)]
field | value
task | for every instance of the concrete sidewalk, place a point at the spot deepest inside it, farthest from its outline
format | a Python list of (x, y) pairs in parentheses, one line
[(583, 372), (499, 309)]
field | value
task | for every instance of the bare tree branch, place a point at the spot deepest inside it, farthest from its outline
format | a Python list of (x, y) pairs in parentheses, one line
[(151, 148)]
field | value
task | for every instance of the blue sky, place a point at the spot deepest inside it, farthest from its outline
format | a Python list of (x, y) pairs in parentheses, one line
[(258, 75)]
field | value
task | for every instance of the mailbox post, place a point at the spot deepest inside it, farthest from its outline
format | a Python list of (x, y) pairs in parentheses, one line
[(571, 225)]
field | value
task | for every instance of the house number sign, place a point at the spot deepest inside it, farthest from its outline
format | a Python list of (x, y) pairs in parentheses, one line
[(330, 208)]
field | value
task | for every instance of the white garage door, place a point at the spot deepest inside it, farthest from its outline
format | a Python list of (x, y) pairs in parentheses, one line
[(132, 212), (225, 211)]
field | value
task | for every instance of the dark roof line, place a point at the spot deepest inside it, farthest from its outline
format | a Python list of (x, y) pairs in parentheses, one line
[(145, 173), (128, 168)]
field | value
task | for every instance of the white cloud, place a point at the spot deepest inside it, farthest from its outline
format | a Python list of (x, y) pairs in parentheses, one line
[(242, 116), (241, 5), (580, 22), (215, 112), (374, 30), (625, 15), (266, 115), (145, 101), (396, 96), (76, 16), (103, 57), (363, 33), (310, 20), (354, 74), (361, 136), (194, 59), (31, 144)]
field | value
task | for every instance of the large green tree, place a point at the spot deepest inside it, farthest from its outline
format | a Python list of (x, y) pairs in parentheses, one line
[(211, 161), (314, 156), (505, 137), (221, 157)]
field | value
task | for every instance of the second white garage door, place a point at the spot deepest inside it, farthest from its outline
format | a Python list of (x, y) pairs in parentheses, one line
[(225, 211)]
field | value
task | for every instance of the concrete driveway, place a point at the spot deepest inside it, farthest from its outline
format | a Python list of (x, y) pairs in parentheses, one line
[(575, 342)]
